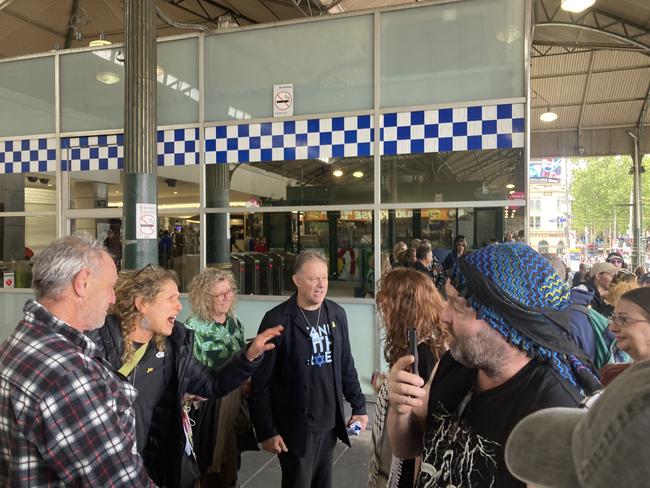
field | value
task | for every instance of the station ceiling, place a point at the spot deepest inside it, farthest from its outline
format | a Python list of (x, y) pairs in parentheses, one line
[(591, 68)]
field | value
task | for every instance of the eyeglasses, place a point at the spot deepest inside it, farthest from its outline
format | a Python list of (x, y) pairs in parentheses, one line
[(222, 297), (625, 321)]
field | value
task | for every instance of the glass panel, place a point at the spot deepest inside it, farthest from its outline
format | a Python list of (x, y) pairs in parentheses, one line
[(178, 187), (453, 176), (419, 65), (480, 226), (20, 239), (330, 64), (27, 97), (178, 82), (95, 189), (179, 246), (92, 90), (269, 241), (108, 231), (327, 181), (28, 192)]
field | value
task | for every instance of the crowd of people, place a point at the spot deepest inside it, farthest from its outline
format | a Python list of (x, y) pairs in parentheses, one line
[(517, 377)]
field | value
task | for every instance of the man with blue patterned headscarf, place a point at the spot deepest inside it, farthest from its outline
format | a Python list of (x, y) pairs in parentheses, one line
[(510, 354)]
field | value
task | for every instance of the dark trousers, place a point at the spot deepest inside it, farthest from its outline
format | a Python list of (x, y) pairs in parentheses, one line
[(314, 469)]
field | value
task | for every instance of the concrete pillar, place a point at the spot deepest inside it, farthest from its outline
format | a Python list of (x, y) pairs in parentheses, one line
[(139, 177)]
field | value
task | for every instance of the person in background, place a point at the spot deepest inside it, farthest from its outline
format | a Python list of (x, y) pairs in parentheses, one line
[(510, 353), (644, 279), (297, 393), (398, 251), (616, 290), (261, 245), (66, 419), (603, 446), (406, 298), (223, 424), (639, 271), (616, 258), (458, 249), (143, 341), (165, 249), (424, 260), (630, 323), (599, 279), (580, 275)]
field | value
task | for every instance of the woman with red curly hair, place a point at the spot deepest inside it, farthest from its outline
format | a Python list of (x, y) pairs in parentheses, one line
[(406, 299)]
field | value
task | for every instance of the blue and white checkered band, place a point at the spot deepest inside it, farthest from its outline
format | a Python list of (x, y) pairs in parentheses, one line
[(453, 129), (178, 147), (90, 153), (333, 137), (27, 156), (175, 147)]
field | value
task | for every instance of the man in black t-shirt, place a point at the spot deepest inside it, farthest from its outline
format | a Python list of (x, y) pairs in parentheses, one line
[(510, 354), (297, 393)]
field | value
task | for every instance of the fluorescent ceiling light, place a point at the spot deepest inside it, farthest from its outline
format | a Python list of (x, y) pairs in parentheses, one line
[(508, 34), (358, 174), (338, 173), (548, 116), (108, 77), (510, 186), (576, 5)]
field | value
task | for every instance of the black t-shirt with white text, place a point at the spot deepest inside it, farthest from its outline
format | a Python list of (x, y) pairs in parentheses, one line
[(321, 404), (466, 431)]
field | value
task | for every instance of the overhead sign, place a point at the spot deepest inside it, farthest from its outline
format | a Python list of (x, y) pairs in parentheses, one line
[(283, 100), (145, 218)]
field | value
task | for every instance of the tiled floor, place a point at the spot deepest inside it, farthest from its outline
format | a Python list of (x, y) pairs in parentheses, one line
[(262, 469)]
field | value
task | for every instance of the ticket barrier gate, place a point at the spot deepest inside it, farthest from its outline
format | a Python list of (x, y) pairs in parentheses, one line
[(279, 272), (252, 274), (265, 273), (239, 272)]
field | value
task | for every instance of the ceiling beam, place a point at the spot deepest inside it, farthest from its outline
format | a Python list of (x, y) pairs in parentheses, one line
[(32, 23), (594, 102), (585, 92), (595, 72)]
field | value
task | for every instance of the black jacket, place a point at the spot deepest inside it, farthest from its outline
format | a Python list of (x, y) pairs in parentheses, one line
[(163, 452), (280, 387), (598, 302)]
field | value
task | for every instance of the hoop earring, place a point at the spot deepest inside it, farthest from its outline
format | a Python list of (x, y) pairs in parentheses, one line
[(144, 323)]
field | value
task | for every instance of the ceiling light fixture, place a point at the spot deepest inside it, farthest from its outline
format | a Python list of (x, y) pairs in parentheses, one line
[(508, 34), (358, 174), (576, 6), (511, 192), (108, 77), (338, 173), (510, 186), (101, 42), (160, 71), (547, 115)]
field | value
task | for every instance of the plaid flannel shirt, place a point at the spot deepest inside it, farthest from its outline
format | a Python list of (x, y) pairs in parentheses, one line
[(65, 418)]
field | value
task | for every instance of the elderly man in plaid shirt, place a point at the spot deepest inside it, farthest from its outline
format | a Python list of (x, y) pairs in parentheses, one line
[(65, 418)]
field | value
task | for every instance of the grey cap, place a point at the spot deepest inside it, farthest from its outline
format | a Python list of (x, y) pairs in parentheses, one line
[(606, 446)]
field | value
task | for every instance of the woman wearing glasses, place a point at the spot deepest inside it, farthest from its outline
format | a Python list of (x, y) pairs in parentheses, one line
[(154, 352), (630, 324), (223, 427)]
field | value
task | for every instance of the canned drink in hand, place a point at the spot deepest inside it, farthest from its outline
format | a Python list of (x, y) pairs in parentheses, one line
[(354, 428)]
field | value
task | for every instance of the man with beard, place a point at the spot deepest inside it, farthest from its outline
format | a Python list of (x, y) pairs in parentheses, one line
[(510, 354)]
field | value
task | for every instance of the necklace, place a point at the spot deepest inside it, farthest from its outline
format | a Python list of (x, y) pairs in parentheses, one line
[(305, 317)]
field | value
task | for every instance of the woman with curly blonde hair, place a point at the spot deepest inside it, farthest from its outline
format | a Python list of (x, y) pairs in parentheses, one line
[(222, 424), (142, 339), (406, 298)]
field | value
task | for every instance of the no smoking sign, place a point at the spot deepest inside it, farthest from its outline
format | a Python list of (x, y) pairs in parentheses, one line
[(282, 100)]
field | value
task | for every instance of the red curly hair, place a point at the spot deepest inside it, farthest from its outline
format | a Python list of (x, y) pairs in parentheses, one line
[(408, 298)]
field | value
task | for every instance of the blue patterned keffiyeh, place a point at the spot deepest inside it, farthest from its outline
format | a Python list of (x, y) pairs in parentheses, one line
[(518, 293)]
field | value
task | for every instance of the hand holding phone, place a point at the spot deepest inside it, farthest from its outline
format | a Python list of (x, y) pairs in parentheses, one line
[(412, 337)]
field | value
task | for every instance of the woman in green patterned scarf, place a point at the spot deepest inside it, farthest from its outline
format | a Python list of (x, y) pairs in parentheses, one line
[(221, 424)]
